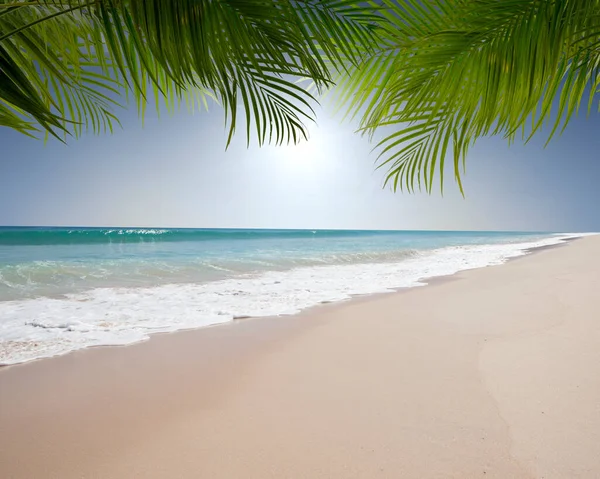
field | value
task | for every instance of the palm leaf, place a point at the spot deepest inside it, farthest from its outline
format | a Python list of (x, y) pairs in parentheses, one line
[(449, 72), (80, 56)]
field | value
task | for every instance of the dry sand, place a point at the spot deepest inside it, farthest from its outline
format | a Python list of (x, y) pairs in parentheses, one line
[(494, 373)]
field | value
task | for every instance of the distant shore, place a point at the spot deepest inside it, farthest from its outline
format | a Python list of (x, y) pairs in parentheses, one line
[(491, 374)]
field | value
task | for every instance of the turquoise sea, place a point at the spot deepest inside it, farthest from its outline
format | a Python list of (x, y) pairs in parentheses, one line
[(63, 289)]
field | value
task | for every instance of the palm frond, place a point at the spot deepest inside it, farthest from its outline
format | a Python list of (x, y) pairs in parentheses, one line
[(449, 72), (78, 57)]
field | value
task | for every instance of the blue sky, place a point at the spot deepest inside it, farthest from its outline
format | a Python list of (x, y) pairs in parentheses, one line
[(175, 172)]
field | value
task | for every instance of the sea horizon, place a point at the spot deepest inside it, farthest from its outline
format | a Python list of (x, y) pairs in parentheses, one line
[(232, 228)]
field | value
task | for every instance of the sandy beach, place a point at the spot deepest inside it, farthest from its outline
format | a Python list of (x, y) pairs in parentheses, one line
[(490, 373)]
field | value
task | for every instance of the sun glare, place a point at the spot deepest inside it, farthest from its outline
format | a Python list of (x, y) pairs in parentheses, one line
[(303, 153)]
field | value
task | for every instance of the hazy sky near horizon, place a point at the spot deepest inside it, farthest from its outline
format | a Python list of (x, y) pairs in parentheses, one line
[(175, 172)]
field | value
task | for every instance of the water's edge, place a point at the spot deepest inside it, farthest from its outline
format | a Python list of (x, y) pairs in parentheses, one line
[(421, 281)]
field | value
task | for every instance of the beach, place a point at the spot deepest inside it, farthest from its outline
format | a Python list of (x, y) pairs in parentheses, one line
[(492, 372)]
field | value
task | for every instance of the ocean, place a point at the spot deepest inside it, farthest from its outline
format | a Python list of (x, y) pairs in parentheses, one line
[(64, 289)]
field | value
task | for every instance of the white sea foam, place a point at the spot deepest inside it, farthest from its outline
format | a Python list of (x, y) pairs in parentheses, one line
[(44, 327)]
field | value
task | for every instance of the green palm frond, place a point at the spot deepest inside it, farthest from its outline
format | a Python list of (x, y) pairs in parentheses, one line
[(48, 80), (65, 64), (447, 72)]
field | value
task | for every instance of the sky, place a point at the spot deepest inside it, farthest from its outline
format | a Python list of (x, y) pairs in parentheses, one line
[(174, 172)]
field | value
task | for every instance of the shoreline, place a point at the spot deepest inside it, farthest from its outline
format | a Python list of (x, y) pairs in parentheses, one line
[(491, 372), (426, 281)]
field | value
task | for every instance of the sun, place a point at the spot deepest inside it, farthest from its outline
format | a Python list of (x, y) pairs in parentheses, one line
[(310, 158), (304, 154)]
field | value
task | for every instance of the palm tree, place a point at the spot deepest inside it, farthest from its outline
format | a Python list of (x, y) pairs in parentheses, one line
[(67, 65), (447, 72)]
